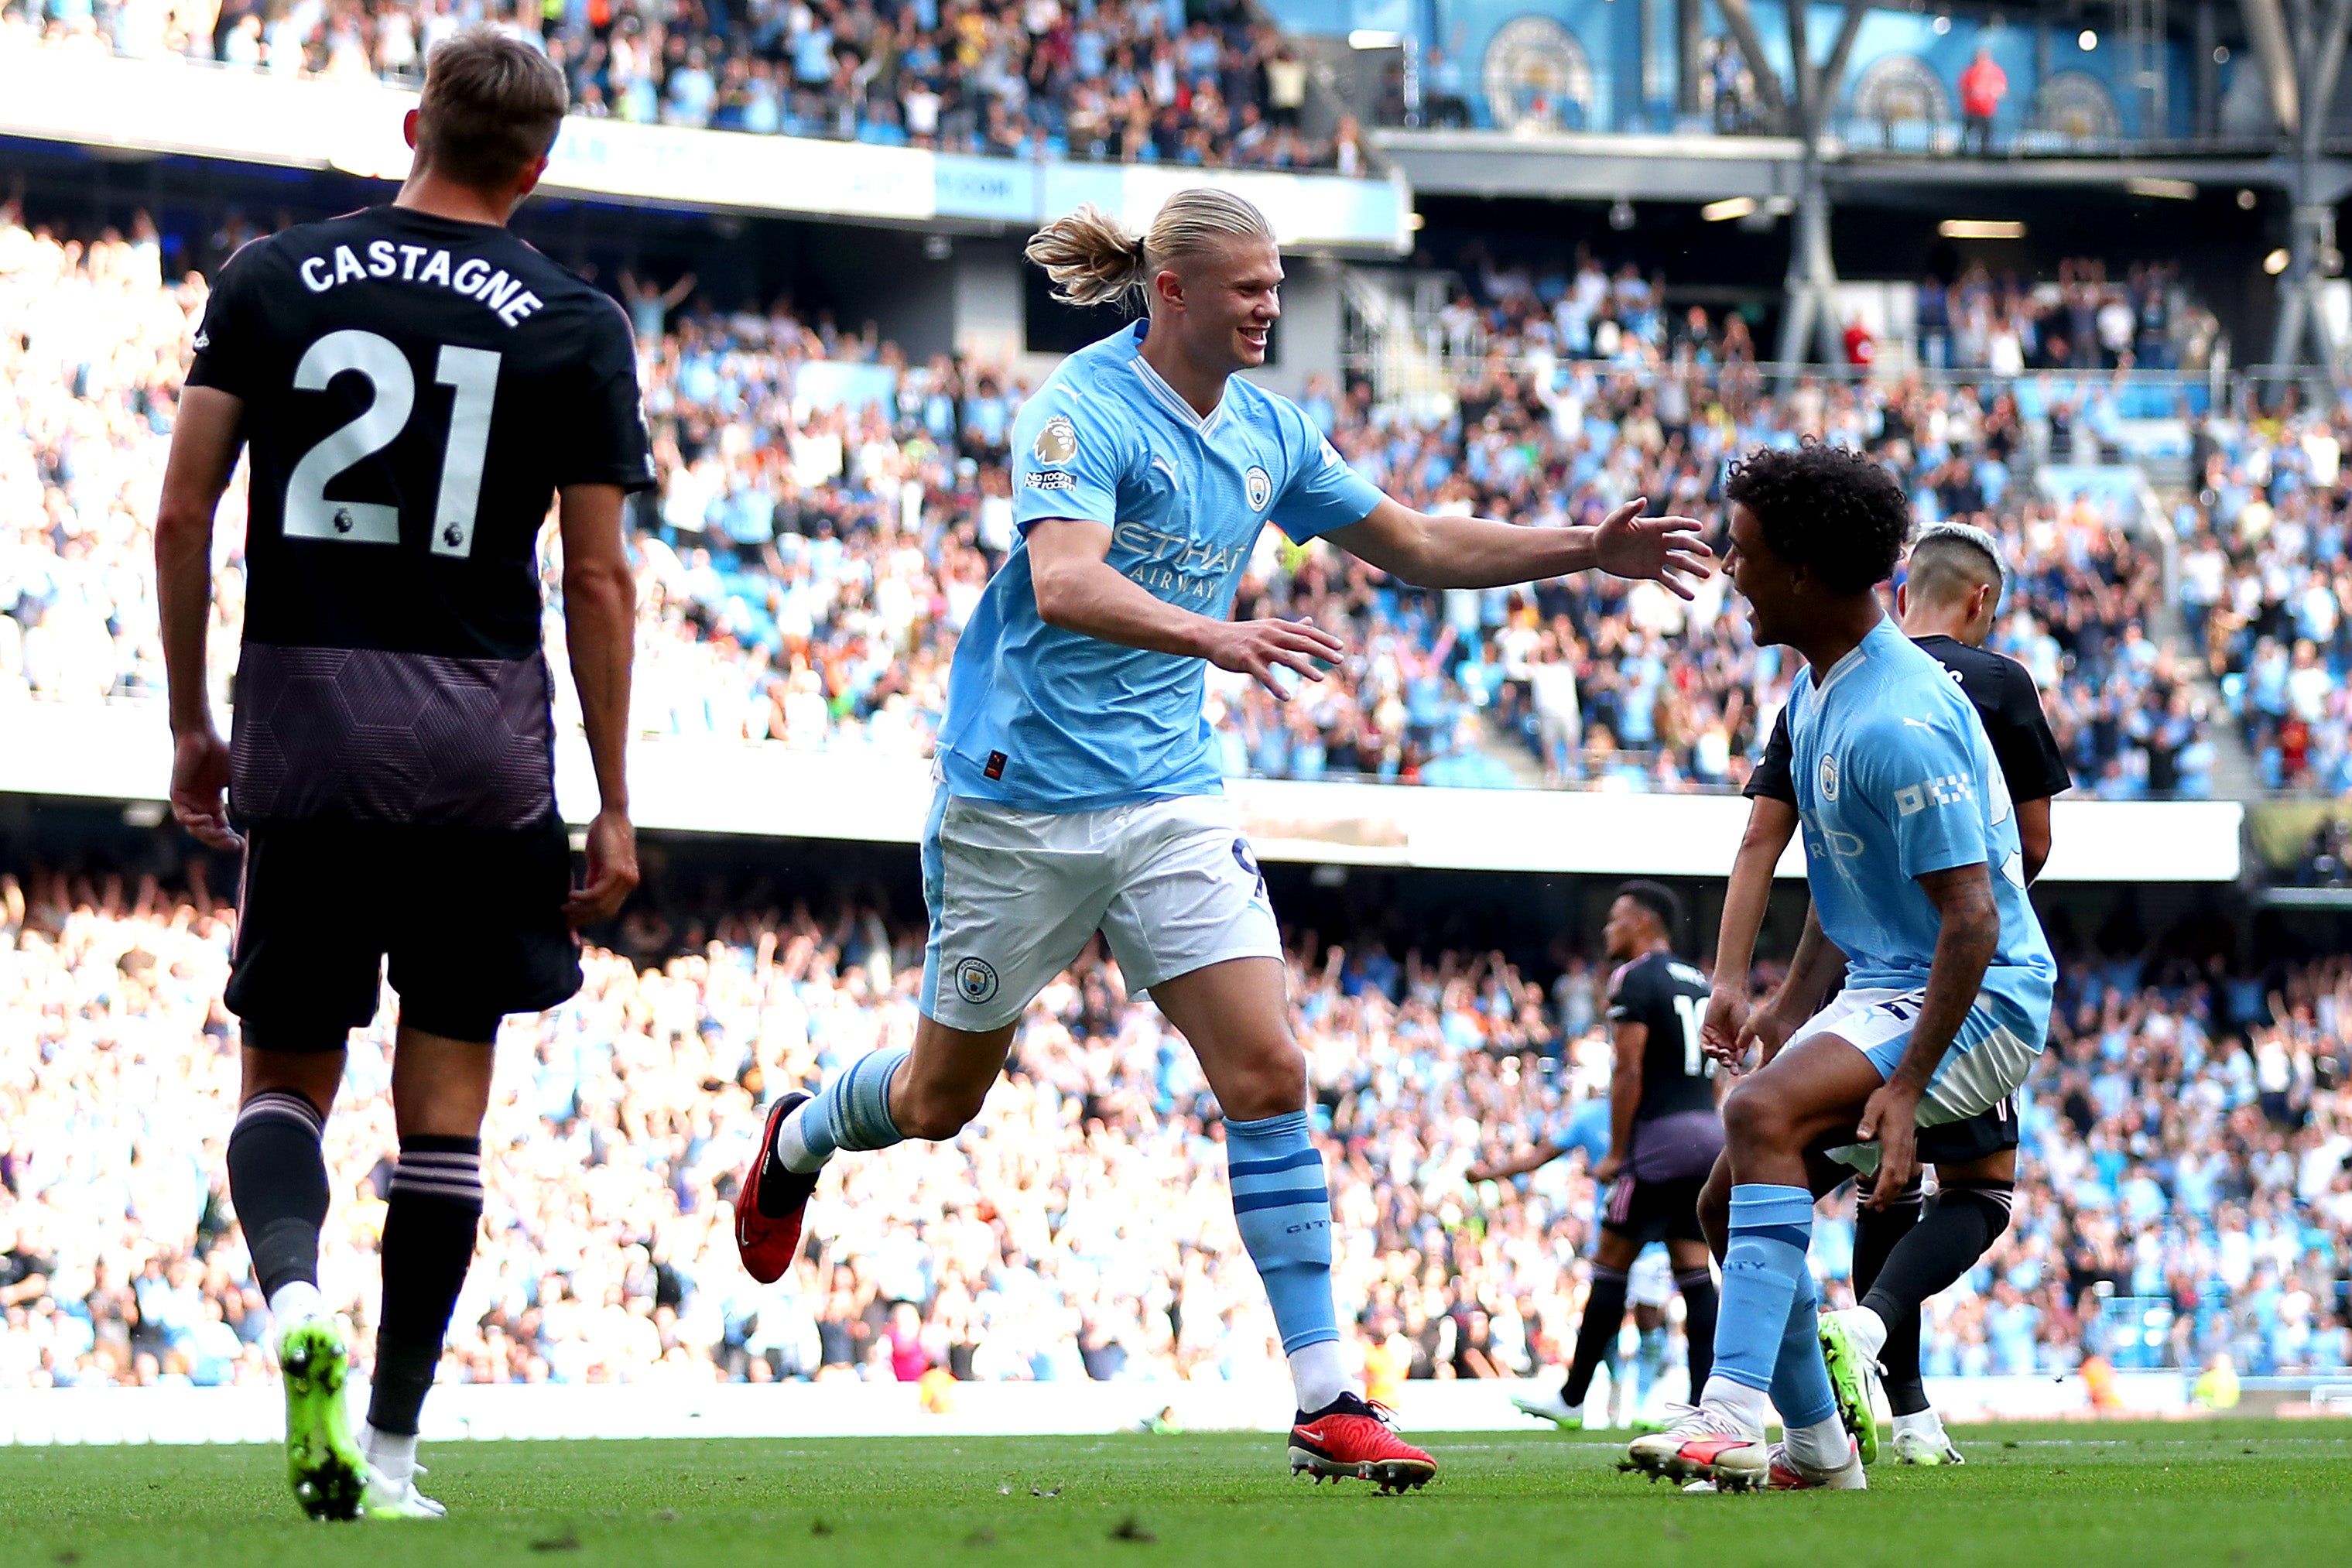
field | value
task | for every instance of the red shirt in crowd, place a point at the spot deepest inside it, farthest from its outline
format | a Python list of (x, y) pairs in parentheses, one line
[(1982, 87)]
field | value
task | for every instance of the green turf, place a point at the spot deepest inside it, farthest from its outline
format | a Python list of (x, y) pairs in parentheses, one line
[(2222, 1493)]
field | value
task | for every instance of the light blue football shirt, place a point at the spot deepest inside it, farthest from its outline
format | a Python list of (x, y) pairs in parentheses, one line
[(1894, 780), (1586, 1128), (1049, 720)]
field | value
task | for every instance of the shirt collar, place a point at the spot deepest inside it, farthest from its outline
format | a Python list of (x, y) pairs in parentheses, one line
[(1855, 658), (1157, 384)]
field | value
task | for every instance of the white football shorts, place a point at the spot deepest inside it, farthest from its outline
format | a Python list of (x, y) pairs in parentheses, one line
[(1015, 896), (1651, 1281), (1987, 1062)]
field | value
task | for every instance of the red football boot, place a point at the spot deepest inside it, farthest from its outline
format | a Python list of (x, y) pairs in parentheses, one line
[(768, 1234), (1787, 1473), (1705, 1445), (1351, 1436)]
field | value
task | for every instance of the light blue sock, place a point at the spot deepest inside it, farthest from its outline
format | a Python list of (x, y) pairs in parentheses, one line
[(1763, 1267), (853, 1111), (1800, 1379), (1284, 1211)]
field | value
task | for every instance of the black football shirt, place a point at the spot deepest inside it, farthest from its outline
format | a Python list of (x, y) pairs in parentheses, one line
[(415, 388), (2005, 700), (1669, 997)]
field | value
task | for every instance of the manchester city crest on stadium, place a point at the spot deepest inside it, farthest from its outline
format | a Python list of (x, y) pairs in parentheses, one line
[(1058, 441), (1829, 777), (975, 978), (1259, 485)]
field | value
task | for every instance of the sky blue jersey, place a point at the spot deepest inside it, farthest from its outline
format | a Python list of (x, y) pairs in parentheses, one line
[(1586, 1128), (1048, 720), (1896, 779)]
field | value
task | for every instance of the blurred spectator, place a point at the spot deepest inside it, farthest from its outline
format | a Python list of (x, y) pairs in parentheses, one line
[(1982, 87)]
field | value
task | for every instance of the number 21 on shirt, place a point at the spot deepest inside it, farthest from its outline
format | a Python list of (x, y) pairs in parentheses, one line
[(472, 374)]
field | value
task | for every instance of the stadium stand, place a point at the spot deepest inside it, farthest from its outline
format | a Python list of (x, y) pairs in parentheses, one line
[(2082, 321), (2263, 584), (830, 512), (2186, 1145), (1134, 82)]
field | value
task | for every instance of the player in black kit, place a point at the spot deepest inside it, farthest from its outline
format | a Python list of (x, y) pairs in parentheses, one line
[(1664, 1133), (415, 385), (1908, 1252)]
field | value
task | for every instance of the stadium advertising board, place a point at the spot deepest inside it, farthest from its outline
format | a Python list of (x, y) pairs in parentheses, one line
[(769, 790), (174, 106)]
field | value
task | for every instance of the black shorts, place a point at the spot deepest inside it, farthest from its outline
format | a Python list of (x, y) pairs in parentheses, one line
[(1644, 1212), (1981, 1136), (471, 919)]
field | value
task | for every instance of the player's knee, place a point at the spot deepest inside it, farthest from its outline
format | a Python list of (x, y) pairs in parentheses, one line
[(937, 1112), (1273, 1083), (1755, 1118)]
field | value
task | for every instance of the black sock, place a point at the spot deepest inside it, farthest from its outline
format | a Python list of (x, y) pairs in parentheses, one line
[(1697, 1286), (1596, 1335), (278, 1180), (1957, 1227), (428, 1243), (1877, 1233)]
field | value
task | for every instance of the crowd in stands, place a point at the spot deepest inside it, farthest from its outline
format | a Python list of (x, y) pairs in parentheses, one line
[(1579, 389), (1124, 80), (830, 514), (2147, 319), (2185, 1144), (2265, 585)]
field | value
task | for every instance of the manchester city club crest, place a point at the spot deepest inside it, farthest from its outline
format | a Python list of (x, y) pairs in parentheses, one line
[(1058, 441), (975, 980), (1829, 777), (1260, 487)]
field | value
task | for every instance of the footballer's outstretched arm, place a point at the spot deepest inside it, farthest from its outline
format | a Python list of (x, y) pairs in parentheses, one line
[(205, 441), (1966, 940), (1519, 1164), (1080, 591), (1480, 552)]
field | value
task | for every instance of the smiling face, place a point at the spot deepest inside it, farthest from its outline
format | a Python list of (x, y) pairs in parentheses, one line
[(1223, 302), (1771, 585)]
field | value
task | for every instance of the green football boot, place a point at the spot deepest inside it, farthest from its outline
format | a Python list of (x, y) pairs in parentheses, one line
[(322, 1459), (1854, 1380)]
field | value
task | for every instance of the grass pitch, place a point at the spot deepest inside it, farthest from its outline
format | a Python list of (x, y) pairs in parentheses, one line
[(2263, 1494)]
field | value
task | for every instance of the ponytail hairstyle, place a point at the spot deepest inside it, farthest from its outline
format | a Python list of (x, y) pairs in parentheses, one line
[(1094, 260)]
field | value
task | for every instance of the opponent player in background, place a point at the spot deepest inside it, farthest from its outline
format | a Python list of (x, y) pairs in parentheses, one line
[(1913, 859), (1663, 1138), (1907, 1251), (1077, 789), (415, 385)]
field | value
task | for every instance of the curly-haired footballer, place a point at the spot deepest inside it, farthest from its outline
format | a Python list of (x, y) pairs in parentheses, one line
[(1916, 1247), (1912, 853)]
